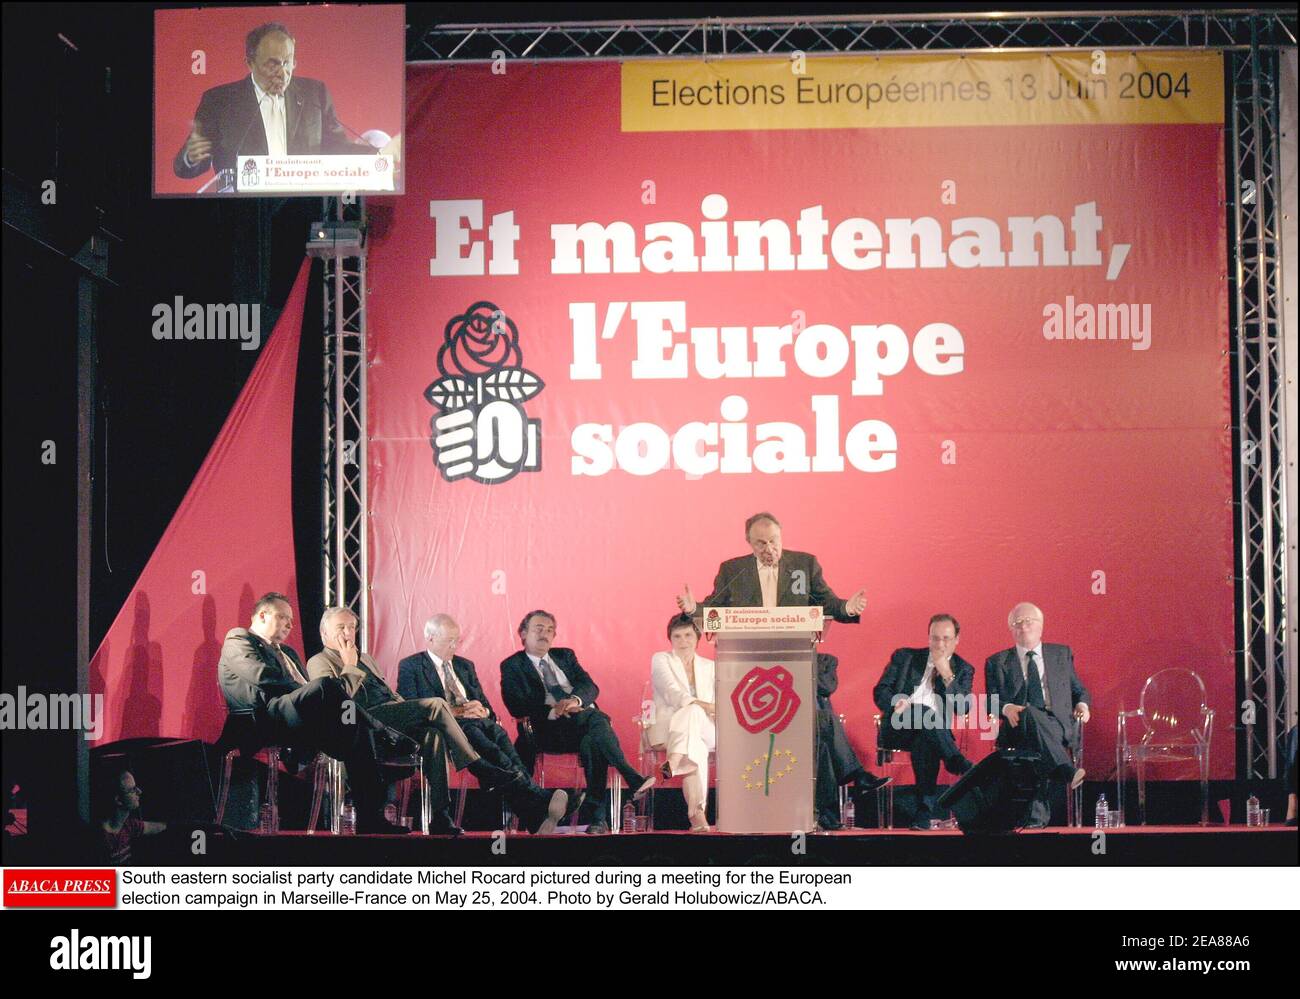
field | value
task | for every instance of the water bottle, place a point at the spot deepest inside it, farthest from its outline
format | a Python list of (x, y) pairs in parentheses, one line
[(629, 816), (848, 813), (1102, 819), (1252, 811), (348, 820), (266, 819)]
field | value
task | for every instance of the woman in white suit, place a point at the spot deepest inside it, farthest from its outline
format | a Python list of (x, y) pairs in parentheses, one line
[(683, 725)]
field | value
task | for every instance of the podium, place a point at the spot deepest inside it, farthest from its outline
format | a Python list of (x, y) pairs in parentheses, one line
[(766, 716)]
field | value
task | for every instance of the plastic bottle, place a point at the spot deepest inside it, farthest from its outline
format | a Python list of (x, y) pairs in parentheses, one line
[(1103, 814), (1252, 811), (348, 820), (266, 819), (848, 813), (629, 817)]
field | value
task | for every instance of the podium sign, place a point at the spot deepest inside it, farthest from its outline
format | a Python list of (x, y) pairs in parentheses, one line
[(766, 719), (287, 174)]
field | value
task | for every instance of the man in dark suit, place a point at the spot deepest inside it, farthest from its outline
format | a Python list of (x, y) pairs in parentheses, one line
[(919, 695), (440, 674), (772, 577), (837, 763), (263, 678), (430, 722), (273, 113), (1034, 689), (548, 687)]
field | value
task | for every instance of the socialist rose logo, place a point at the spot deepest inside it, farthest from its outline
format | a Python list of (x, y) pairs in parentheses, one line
[(481, 430), (764, 701)]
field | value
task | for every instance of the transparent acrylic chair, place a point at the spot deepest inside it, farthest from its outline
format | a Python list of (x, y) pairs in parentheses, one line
[(653, 757), (1173, 723)]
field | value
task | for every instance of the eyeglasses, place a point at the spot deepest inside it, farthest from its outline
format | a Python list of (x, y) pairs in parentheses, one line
[(1025, 622)]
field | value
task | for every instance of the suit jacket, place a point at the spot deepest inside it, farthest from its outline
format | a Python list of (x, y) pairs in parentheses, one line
[(737, 585), (229, 115), (904, 672), (522, 690), (672, 690), (363, 682), (417, 678), (1004, 680), (250, 673)]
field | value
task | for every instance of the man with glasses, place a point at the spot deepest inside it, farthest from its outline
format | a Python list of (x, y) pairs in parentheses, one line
[(272, 113), (773, 577), (1034, 689)]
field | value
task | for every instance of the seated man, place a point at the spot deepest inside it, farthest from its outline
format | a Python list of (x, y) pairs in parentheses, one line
[(837, 763), (1035, 690), (422, 719), (262, 678), (550, 688), (119, 804), (918, 695)]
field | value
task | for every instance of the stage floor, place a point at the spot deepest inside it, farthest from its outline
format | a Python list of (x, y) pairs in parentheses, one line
[(1148, 846)]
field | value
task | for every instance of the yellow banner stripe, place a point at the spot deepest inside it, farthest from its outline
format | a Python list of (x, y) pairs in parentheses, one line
[(920, 91)]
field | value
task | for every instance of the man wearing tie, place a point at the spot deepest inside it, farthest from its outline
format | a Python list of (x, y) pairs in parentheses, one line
[(439, 673), (1041, 701), (271, 114), (422, 719), (549, 687), (262, 678), (772, 577), (920, 693)]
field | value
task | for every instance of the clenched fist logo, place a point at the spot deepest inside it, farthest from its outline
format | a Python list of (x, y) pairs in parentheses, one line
[(481, 431)]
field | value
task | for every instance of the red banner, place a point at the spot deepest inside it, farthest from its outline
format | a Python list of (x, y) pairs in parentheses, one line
[(965, 366)]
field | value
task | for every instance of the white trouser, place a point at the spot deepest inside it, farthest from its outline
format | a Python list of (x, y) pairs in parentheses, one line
[(691, 735)]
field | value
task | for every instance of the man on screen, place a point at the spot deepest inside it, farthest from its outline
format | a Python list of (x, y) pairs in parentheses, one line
[(772, 577), (1041, 701), (272, 113)]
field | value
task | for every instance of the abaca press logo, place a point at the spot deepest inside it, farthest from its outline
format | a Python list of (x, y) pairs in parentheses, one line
[(481, 431)]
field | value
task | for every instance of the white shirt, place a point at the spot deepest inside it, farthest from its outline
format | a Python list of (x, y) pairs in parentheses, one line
[(451, 685), (272, 105), (767, 579), (924, 693), (1037, 650), (559, 676)]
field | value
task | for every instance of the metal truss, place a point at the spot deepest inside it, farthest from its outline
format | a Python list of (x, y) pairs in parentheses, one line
[(1256, 276), (1249, 39), (345, 564), (740, 37)]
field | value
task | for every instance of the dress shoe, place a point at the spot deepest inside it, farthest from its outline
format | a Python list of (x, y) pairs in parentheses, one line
[(545, 811), (598, 828), (390, 742), (1035, 823), (440, 824), (870, 782), (666, 771), (643, 789), (380, 827), (491, 777), (920, 825), (829, 822), (699, 822)]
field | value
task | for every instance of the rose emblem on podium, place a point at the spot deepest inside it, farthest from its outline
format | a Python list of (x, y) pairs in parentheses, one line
[(764, 701)]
